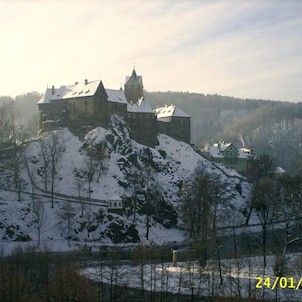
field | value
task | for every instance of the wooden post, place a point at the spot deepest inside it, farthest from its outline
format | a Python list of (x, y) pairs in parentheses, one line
[(174, 257)]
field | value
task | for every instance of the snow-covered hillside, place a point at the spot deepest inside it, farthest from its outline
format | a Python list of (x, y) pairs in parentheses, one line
[(103, 164)]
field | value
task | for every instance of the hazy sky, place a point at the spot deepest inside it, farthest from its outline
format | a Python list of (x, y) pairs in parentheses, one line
[(247, 49)]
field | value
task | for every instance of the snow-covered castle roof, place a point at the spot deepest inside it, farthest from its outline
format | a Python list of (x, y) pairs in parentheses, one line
[(169, 111), (116, 96), (70, 91), (141, 106), (81, 90)]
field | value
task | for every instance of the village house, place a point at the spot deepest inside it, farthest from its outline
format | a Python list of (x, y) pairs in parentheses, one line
[(90, 104), (229, 156)]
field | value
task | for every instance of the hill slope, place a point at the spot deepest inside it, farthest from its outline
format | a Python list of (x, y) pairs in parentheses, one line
[(103, 164)]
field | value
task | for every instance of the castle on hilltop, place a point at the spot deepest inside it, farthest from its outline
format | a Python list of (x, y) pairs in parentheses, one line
[(91, 104)]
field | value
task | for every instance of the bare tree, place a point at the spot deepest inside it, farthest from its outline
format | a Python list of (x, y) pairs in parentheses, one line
[(67, 215), (5, 120), (79, 183), (95, 163), (55, 147), (41, 219), (89, 218), (32, 180), (90, 171), (113, 274), (150, 200), (197, 208), (51, 149), (267, 205), (136, 180), (45, 168), (218, 199), (231, 218), (17, 159), (15, 136)]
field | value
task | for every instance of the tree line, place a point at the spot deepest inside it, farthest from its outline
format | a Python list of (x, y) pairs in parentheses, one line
[(266, 126), (274, 203), (261, 124)]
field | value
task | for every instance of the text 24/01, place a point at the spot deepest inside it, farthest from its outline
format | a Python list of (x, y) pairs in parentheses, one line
[(281, 282)]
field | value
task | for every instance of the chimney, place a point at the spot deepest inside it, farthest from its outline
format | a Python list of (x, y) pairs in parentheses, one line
[(86, 81), (53, 90)]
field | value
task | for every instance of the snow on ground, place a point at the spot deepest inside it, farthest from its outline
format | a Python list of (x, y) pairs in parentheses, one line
[(169, 164), (243, 278)]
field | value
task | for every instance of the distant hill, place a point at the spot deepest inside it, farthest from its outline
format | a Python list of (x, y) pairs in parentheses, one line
[(210, 113), (268, 126)]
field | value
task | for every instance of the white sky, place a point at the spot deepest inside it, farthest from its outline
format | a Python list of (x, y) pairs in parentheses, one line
[(247, 49)]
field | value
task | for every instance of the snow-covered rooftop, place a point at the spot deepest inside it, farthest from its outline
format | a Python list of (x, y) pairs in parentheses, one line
[(222, 146), (70, 91), (141, 106), (116, 96), (243, 153), (115, 197), (217, 150), (169, 111), (279, 170)]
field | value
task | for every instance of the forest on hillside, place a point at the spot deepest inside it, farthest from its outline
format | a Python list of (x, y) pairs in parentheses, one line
[(269, 127)]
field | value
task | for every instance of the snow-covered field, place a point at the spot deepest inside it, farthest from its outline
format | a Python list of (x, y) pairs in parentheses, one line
[(239, 278)]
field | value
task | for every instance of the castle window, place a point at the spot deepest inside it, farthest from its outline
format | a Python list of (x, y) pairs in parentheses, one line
[(86, 106)]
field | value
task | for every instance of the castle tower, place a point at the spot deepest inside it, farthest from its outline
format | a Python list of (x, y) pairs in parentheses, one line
[(134, 88)]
